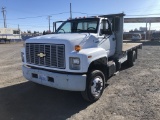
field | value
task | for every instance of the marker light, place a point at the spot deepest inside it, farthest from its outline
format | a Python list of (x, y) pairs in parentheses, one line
[(77, 48)]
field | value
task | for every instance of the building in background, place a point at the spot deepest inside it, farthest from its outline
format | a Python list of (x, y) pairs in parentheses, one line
[(143, 29)]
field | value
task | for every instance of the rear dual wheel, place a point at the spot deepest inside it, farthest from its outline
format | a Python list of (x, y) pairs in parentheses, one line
[(131, 58), (94, 87)]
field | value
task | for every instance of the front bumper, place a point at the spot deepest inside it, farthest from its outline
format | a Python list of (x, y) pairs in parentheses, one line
[(56, 80)]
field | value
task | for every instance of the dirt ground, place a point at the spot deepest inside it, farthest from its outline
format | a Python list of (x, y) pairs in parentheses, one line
[(133, 94)]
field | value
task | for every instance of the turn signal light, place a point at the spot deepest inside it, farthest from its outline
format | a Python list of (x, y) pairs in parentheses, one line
[(77, 48)]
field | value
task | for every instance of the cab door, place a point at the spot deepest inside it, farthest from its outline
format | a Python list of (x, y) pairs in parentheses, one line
[(107, 38)]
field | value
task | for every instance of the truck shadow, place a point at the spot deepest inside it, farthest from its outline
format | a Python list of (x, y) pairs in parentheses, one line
[(29, 101)]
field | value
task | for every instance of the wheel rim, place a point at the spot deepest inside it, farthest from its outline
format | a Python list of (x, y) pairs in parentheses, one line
[(97, 86)]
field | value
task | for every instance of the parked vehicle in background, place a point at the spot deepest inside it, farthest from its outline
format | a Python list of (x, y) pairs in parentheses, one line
[(136, 36), (81, 55), (8, 34), (155, 36)]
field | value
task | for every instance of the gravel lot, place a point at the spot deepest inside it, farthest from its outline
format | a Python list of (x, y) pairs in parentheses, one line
[(133, 94)]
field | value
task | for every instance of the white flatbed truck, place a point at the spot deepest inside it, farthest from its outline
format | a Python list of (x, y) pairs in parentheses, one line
[(80, 56), (8, 34)]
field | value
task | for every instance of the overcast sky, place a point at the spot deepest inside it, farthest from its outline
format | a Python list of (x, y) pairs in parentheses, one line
[(32, 14)]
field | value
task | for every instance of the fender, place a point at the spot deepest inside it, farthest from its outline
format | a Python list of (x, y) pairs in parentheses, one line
[(92, 54)]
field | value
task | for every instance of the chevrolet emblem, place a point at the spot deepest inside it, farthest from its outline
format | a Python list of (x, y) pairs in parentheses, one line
[(41, 55)]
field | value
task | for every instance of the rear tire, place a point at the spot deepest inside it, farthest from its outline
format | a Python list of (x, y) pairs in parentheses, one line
[(131, 58), (94, 86)]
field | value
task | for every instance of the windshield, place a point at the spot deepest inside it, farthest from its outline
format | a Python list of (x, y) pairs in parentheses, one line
[(88, 25), (136, 35)]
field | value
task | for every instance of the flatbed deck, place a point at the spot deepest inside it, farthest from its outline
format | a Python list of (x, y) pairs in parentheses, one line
[(130, 46)]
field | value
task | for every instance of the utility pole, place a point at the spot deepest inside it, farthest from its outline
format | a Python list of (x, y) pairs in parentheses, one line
[(70, 11), (18, 26), (146, 36), (19, 32), (4, 16), (49, 18), (149, 30)]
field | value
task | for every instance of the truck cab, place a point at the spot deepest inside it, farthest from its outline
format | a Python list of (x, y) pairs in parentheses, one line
[(80, 56), (97, 30)]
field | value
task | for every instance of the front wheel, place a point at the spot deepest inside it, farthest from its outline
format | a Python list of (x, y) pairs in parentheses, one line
[(94, 87)]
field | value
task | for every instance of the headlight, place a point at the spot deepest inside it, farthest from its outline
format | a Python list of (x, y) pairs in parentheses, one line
[(74, 63), (22, 56)]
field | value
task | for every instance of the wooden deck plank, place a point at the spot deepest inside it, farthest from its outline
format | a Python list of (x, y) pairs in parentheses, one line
[(128, 46)]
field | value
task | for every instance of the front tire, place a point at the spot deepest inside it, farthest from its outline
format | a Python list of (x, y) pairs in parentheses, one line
[(95, 86)]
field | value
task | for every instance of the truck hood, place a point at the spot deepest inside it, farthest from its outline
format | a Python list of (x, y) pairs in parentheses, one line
[(85, 40), (61, 37)]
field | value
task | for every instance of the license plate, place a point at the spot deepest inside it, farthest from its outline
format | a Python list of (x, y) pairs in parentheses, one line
[(42, 77)]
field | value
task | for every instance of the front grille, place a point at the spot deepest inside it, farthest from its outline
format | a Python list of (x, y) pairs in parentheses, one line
[(48, 55)]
